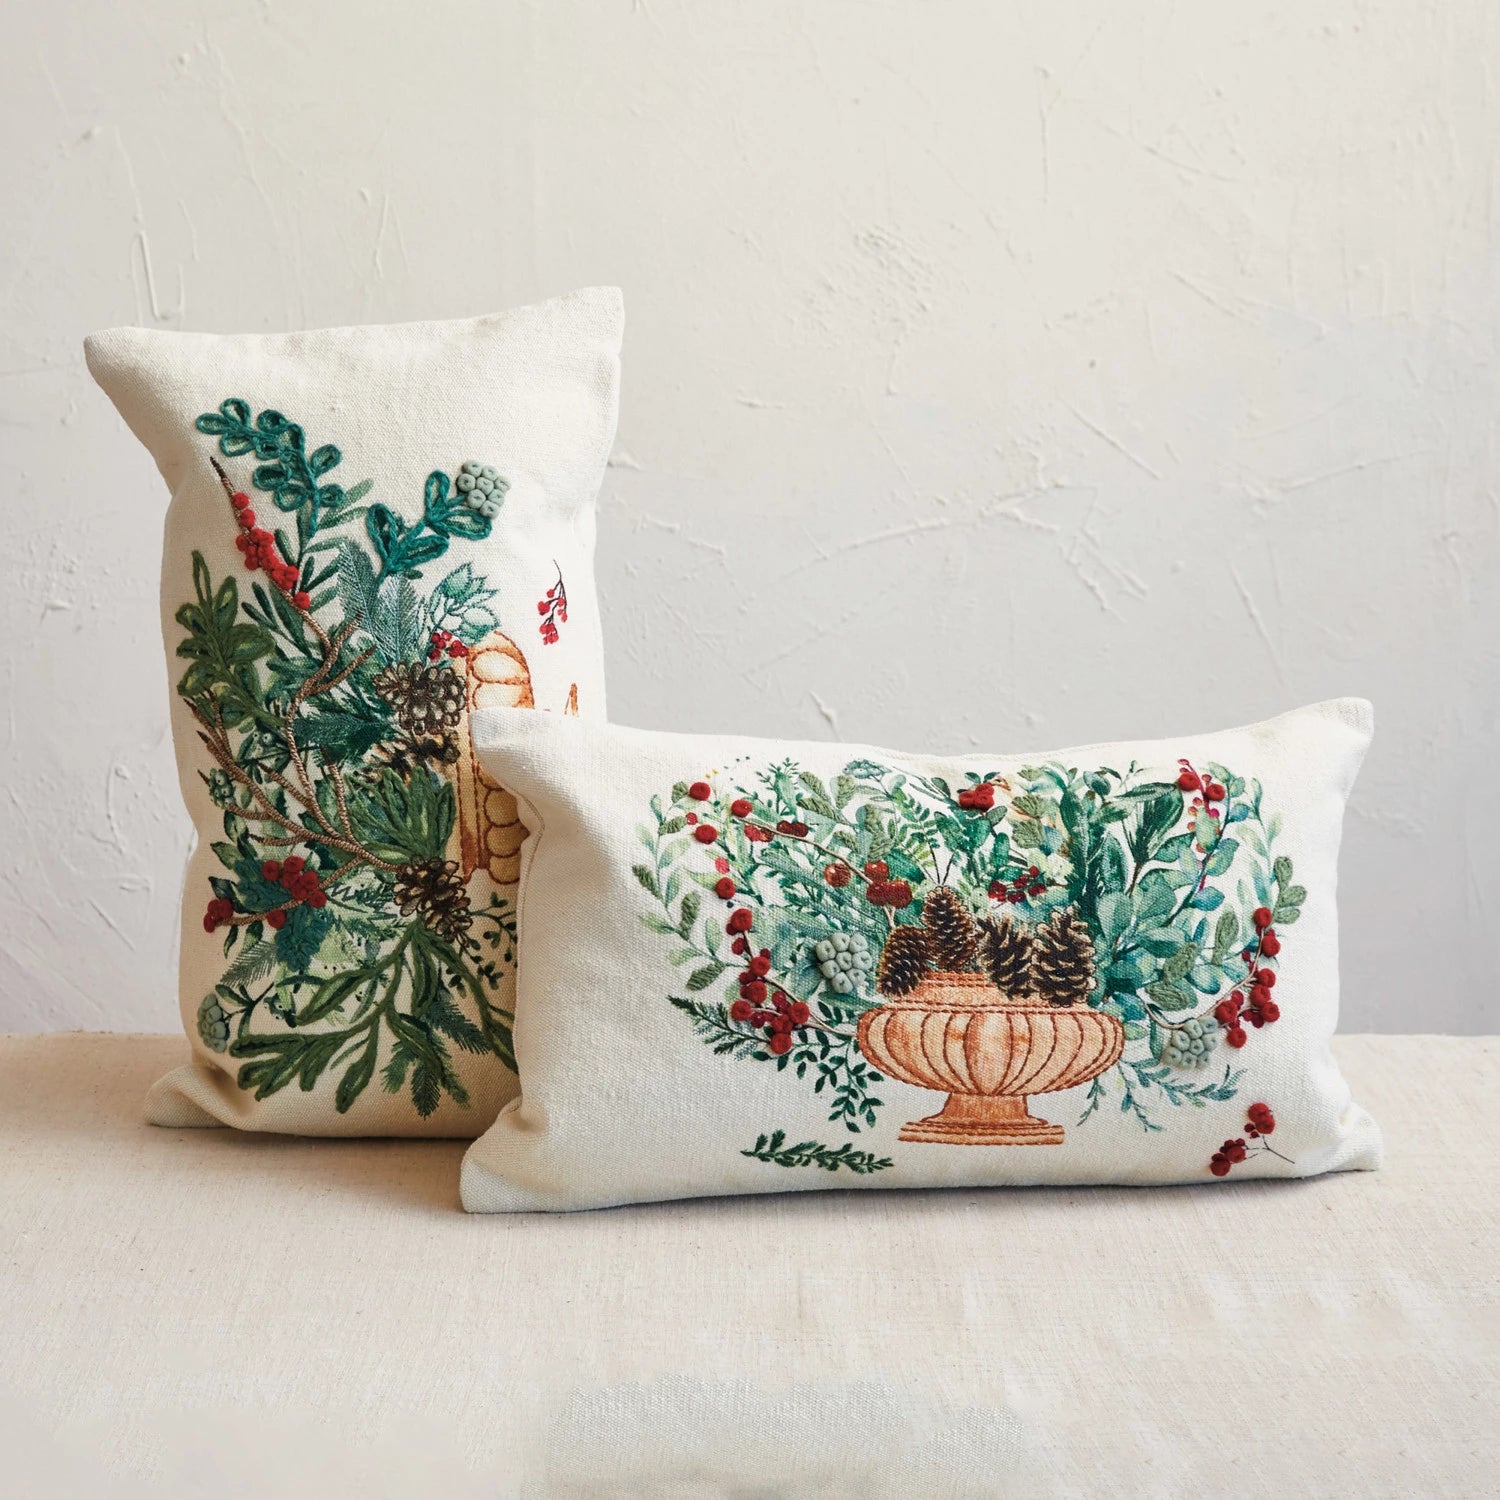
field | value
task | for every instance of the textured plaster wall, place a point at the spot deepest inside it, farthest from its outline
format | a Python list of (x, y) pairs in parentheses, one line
[(997, 374)]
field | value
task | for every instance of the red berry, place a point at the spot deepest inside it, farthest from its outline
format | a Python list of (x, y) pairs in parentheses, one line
[(798, 830), (276, 919), (1270, 1010), (780, 1043), (1015, 895), (691, 819), (740, 1010), (1270, 944), (1236, 1036), (209, 924), (781, 1025), (760, 965), (1189, 781), (1261, 916), (877, 869), (898, 894), (700, 791), (293, 865), (1265, 977), (739, 945), (997, 890), (740, 807), (1235, 1151), (302, 601), (239, 500), (1033, 872), (838, 875), (753, 990), (1219, 1166), (1226, 1012), (740, 920), (247, 518), (724, 887), (1036, 890), (271, 870), (318, 900), (757, 834), (878, 892), (1214, 792), (800, 1013), (982, 797), (780, 1001), (705, 833)]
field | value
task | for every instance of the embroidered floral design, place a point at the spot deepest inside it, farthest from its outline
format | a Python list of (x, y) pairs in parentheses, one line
[(773, 1148), (1149, 902), (362, 848)]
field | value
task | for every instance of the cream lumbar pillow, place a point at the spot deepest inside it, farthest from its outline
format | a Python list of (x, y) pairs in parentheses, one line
[(372, 532), (750, 965)]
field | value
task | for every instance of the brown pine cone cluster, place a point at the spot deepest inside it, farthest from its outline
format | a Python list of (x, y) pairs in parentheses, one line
[(1062, 960), (434, 890), (951, 932), (1005, 955), (903, 960), (426, 699)]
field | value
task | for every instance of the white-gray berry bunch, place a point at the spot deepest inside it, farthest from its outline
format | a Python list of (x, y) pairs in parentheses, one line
[(213, 1023), (1192, 1044), (482, 489), (841, 958)]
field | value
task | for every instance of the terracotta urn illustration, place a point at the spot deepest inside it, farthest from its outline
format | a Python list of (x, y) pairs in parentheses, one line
[(989, 1052), (490, 832)]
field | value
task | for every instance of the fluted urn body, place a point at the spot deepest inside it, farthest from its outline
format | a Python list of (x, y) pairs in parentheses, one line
[(989, 1052)]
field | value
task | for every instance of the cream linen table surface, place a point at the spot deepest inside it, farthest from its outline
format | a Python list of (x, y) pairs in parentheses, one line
[(206, 1314)]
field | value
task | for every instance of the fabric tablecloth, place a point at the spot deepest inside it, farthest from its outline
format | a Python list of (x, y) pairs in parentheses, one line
[(202, 1313)]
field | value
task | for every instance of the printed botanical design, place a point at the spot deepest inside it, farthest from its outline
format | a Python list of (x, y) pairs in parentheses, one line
[(363, 845), (1011, 936)]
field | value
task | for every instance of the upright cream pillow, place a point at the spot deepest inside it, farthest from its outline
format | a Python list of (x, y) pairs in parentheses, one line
[(372, 532), (754, 965)]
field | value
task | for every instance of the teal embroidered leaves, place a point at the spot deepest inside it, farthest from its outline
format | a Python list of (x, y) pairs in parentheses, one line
[(333, 752), (773, 1148)]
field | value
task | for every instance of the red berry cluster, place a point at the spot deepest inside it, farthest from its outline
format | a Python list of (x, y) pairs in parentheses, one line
[(979, 798), (219, 911), (881, 890), (1261, 1009), (1028, 883), (762, 1005), (261, 552), (1190, 781), (553, 608), (299, 882), (444, 642), (1261, 1122), (793, 827)]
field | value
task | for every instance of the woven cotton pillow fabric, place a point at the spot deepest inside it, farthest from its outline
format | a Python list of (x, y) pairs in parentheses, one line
[(372, 532), (756, 966)]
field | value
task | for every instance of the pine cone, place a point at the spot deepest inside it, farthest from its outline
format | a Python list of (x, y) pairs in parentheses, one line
[(1005, 952), (951, 933), (1062, 960), (903, 961), (435, 891), (427, 699)]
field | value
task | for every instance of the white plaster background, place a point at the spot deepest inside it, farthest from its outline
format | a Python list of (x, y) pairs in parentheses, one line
[(1000, 374)]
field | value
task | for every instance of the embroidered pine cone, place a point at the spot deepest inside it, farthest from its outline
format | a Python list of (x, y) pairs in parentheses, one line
[(427, 699), (903, 960), (1005, 949), (1062, 960), (434, 890), (951, 933)]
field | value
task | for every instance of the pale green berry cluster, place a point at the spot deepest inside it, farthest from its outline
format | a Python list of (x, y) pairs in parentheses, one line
[(841, 958), (482, 488), (1192, 1044), (213, 1024)]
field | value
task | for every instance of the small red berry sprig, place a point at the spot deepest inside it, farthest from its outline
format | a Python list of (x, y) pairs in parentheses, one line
[(1209, 790), (259, 546), (1253, 1002), (1260, 1123), (444, 643), (977, 798), (553, 608), (293, 874), (1016, 885)]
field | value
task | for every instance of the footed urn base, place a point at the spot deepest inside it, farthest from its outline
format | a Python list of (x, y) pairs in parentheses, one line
[(977, 1120)]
